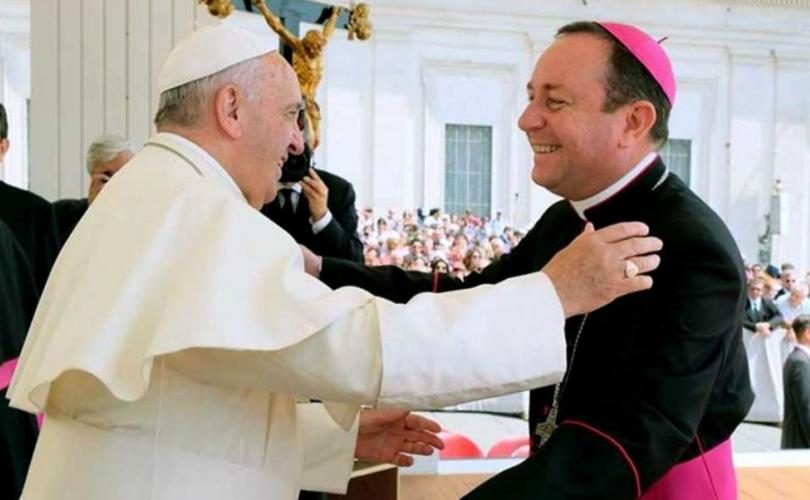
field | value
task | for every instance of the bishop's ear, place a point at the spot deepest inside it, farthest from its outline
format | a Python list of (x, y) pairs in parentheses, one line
[(228, 110), (639, 120)]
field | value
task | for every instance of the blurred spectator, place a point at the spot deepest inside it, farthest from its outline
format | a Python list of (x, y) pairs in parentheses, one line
[(787, 279), (770, 287), (792, 305), (497, 224), (796, 380), (440, 265), (761, 314), (433, 219), (105, 157)]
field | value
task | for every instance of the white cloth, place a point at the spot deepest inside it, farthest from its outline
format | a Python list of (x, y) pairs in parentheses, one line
[(178, 330), (765, 355)]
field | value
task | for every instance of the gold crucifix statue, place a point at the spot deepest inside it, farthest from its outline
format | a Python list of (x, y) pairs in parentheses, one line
[(307, 60), (308, 51)]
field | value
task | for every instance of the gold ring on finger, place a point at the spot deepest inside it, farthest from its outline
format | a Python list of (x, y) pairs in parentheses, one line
[(630, 269)]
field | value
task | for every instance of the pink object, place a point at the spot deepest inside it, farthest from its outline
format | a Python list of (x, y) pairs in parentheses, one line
[(522, 452), (458, 445), (709, 476), (6, 372), (648, 52), (507, 446)]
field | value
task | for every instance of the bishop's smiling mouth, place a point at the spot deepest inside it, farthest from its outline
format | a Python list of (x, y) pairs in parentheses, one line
[(545, 148)]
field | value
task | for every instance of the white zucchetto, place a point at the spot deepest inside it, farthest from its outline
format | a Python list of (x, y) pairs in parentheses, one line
[(208, 50)]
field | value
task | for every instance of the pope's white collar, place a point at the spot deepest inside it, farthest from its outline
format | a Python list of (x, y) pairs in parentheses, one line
[(203, 158), (582, 205)]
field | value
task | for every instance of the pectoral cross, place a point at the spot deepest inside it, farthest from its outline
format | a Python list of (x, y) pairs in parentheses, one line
[(545, 429)]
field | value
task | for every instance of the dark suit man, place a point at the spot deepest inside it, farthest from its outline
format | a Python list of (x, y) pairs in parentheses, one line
[(18, 299), (761, 314), (796, 376), (30, 219), (33, 223), (319, 213), (68, 212), (106, 155), (654, 379)]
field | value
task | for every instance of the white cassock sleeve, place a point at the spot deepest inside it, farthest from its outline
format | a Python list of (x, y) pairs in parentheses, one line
[(434, 351), (328, 449)]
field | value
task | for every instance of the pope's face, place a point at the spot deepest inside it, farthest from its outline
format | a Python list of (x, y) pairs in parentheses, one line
[(574, 141), (274, 132)]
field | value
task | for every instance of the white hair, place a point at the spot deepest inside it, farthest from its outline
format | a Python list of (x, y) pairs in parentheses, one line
[(185, 104), (105, 148)]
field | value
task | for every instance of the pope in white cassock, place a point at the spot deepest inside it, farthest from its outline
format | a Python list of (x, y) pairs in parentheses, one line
[(178, 332)]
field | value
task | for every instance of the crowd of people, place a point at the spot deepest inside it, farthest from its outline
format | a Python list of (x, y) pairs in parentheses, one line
[(458, 244), (779, 305)]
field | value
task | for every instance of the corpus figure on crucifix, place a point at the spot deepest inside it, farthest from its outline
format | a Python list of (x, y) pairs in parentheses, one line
[(307, 59)]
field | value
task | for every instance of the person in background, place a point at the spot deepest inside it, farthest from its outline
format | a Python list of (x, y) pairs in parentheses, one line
[(106, 155), (796, 380), (761, 314), (29, 217)]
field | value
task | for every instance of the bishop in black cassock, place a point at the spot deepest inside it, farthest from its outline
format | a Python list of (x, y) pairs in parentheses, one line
[(656, 378)]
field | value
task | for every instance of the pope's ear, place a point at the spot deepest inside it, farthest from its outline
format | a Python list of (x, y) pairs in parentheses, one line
[(228, 112)]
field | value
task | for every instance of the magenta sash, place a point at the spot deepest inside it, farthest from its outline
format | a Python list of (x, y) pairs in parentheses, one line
[(6, 372), (709, 476)]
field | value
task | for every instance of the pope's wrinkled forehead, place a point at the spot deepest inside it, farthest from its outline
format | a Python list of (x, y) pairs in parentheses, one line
[(281, 78)]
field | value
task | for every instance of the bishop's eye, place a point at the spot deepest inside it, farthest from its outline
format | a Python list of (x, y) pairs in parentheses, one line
[(554, 103)]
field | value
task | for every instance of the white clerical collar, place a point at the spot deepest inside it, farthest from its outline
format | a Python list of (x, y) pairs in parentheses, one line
[(804, 348), (202, 159), (582, 205)]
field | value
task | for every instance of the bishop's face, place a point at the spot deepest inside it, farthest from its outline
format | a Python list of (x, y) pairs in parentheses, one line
[(574, 141)]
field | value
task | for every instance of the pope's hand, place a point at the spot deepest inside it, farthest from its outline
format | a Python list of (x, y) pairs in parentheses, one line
[(387, 435), (593, 270), (312, 262)]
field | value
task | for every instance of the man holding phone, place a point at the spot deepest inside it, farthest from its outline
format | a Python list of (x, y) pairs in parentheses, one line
[(316, 207)]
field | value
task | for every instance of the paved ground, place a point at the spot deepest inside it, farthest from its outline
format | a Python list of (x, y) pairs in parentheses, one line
[(486, 429)]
